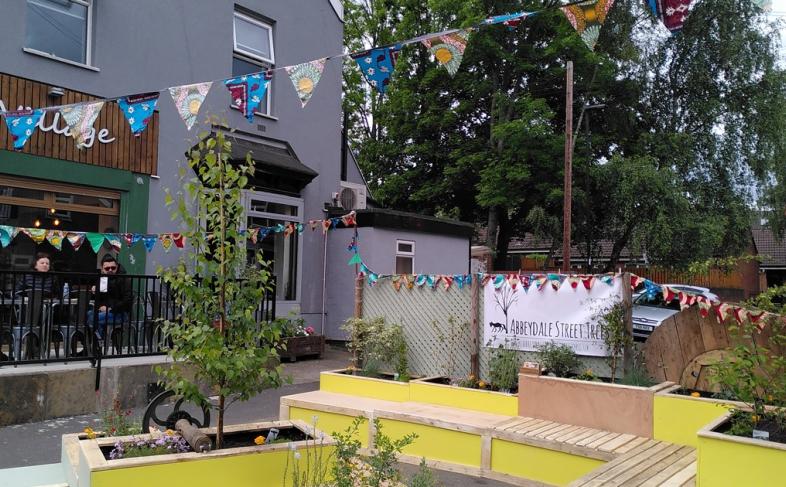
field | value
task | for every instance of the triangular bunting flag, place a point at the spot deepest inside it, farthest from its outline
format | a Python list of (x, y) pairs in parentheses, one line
[(396, 280), (740, 314), (668, 294), (138, 110), (410, 282), (525, 283), (253, 234), (21, 125), (325, 226), (372, 278), (556, 281), (671, 12), (188, 100), (449, 50), (607, 279), (166, 241), (447, 281), (432, 281), (539, 281), (634, 281), (722, 311), (150, 242), (484, 279), (377, 65), (305, 78), (114, 241), (349, 219), (7, 234), (513, 281), (355, 259), (420, 280), (96, 240), (76, 239), (587, 18), (499, 280), (248, 91), (37, 235), (765, 5), (510, 20), (55, 238), (80, 120), (704, 308), (683, 298), (574, 281)]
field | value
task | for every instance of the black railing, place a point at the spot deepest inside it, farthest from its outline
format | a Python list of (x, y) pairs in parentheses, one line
[(60, 317)]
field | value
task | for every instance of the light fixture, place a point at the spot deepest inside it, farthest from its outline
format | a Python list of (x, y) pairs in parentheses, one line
[(56, 222), (55, 92), (52, 211), (37, 223)]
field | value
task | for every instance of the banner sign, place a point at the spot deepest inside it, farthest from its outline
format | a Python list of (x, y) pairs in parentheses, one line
[(523, 319)]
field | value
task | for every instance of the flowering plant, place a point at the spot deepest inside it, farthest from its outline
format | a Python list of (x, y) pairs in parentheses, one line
[(309, 330), (145, 447)]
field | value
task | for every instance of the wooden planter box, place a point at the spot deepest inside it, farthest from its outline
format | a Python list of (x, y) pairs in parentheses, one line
[(609, 407), (342, 382), (733, 460), (422, 390), (678, 418), (296, 347), (244, 466)]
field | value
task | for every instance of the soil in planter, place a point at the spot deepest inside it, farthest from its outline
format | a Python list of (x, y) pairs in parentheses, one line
[(376, 375), (445, 381), (241, 439), (777, 434), (705, 394)]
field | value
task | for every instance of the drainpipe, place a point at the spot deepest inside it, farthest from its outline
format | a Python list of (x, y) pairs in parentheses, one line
[(324, 276)]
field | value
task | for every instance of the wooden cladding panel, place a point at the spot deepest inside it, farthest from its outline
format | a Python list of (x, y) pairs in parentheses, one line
[(126, 152)]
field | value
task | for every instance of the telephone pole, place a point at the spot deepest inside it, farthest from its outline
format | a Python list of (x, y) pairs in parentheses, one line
[(568, 189)]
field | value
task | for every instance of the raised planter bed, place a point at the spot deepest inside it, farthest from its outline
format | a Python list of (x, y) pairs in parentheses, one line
[(677, 418), (345, 382), (437, 390), (609, 407), (733, 460), (303, 346), (241, 465)]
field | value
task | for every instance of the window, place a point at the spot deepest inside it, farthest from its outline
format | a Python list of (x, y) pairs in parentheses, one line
[(60, 28), (267, 210), (253, 51), (405, 257), (30, 203)]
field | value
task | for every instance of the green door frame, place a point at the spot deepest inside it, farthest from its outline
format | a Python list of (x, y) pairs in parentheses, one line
[(134, 192)]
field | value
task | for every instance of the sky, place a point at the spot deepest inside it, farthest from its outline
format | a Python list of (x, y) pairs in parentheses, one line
[(779, 12)]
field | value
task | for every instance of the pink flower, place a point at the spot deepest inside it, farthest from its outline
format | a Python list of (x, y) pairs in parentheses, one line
[(309, 330)]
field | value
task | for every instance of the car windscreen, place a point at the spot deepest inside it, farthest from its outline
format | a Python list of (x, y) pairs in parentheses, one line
[(656, 301)]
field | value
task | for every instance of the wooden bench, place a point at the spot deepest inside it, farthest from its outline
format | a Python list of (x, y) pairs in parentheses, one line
[(629, 458)]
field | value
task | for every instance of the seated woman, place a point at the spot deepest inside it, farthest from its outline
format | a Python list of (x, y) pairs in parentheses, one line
[(39, 280)]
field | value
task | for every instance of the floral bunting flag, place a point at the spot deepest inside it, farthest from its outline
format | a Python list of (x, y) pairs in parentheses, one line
[(556, 281), (180, 240), (325, 226), (765, 5), (574, 282), (722, 311), (396, 280), (248, 91), (7, 234), (166, 241), (55, 238), (410, 282), (114, 241), (704, 308), (76, 239), (377, 65), (513, 280), (671, 12), (587, 281), (21, 125), (138, 110), (539, 281), (305, 77), (450, 50), (587, 18), (80, 120), (188, 100), (432, 281), (37, 235)]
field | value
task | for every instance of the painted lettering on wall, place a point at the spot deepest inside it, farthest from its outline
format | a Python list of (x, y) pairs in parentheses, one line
[(51, 122)]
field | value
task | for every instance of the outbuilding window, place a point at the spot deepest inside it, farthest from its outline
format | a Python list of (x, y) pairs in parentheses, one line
[(405, 257)]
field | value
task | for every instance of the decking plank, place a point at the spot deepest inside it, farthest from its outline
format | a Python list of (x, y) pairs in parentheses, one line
[(586, 441), (617, 442), (663, 464), (532, 426), (623, 475), (584, 434), (630, 446), (671, 470), (563, 433), (639, 450), (603, 440), (685, 477), (557, 428)]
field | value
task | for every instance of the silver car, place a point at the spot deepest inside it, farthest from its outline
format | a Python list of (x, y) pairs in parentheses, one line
[(649, 312)]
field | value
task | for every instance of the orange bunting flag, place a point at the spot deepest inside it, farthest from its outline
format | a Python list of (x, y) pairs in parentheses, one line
[(410, 281), (396, 280), (447, 281), (348, 220)]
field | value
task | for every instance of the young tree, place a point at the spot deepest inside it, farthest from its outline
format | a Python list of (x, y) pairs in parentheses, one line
[(218, 337)]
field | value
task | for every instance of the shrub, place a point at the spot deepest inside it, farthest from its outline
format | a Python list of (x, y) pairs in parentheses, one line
[(504, 369), (560, 360), (375, 344), (615, 335)]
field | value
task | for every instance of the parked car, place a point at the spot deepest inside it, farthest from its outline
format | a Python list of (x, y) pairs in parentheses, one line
[(650, 311)]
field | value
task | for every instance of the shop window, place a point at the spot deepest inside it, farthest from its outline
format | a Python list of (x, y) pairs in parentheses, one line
[(268, 210), (31, 203), (253, 51), (60, 28), (405, 257)]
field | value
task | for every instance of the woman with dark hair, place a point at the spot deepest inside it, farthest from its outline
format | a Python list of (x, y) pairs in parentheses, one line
[(39, 280)]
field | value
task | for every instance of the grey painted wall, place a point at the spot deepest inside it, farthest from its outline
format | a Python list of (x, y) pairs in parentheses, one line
[(145, 45), (434, 254)]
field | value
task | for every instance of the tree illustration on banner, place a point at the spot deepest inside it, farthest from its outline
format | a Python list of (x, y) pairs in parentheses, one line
[(504, 298)]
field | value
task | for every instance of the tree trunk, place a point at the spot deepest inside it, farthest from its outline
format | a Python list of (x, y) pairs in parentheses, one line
[(616, 250), (491, 229), (503, 240)]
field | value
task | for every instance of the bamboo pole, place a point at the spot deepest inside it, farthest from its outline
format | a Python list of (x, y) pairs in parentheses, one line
[(475, 328)]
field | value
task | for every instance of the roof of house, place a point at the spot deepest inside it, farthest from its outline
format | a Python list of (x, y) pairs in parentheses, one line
[(413, 222), (530, 244), (771, 249)]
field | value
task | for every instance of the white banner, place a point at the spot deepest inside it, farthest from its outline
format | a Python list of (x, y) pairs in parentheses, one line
[(524, 319)]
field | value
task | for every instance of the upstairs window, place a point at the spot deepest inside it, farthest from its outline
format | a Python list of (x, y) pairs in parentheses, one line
[(253, 52), (405, 257), (60, 28)]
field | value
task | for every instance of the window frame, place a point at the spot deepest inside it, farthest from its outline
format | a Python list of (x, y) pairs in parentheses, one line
[(88, 4), (259, 23), (404, 253), (247, 196)]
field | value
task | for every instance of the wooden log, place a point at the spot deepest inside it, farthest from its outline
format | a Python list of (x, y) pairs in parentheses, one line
[(199, 441)]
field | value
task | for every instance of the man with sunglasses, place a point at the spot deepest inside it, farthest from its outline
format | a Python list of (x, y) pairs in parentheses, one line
[(113, 296)]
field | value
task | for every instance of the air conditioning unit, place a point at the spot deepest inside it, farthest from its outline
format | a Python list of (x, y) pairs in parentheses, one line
[(352, 196)]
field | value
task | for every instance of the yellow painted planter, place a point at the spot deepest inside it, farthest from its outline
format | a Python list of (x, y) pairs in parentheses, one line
[(247, 466), (463, 398), (444, 445), (732, 460), (330, 423), (541, 464), (388, 390), (678, 419)]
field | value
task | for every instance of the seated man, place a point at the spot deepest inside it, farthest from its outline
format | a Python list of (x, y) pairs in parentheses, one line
[(114, 304)]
